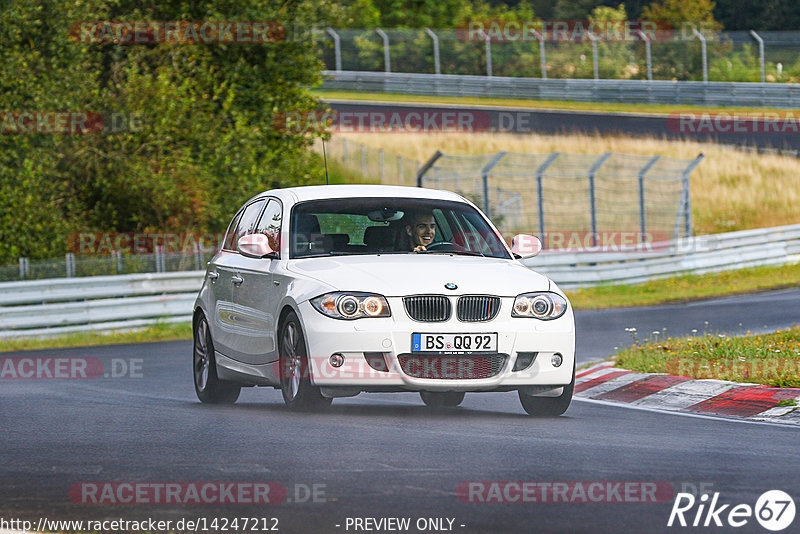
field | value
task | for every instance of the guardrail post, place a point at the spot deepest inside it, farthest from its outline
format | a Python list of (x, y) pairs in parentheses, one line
[(344, 151), (704, 53), (24, 268), (117, 255), (760, 41), (642, 220), (337, 48), (400, 167), (540, 193), (485, 177), (387, 60), (426, 167), (592, 200), (648, 55), (380, 162), (437, 68)]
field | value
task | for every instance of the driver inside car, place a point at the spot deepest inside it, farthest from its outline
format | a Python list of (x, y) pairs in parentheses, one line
[(421, 229)]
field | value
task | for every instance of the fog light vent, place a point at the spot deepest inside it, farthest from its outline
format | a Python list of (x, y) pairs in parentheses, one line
[(524, 360), (557, 360), (337, 360), (377, 361)]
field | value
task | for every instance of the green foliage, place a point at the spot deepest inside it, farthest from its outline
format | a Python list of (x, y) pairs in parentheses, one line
[(206, 141)]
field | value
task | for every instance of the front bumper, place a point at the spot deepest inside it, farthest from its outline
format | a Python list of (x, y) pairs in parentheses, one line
[(391, 337)]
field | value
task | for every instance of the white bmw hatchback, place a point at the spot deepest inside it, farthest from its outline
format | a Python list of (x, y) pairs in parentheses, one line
[(330, 291)]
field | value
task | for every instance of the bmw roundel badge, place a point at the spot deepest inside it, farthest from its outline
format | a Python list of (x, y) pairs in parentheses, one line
[(450, 285)]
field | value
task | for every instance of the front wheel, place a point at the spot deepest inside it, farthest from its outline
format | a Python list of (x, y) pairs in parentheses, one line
[(209, 388), (298, 392), (442, 399), (548, 406)]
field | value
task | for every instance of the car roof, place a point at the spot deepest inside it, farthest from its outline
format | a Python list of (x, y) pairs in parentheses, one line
[(319, 192)]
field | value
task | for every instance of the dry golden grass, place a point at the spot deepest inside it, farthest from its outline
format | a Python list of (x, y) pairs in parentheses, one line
[(731, 189)]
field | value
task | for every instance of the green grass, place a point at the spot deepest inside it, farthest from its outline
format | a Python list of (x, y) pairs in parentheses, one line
[(771, 359), (686, 288), (155, 332), (537, 104)]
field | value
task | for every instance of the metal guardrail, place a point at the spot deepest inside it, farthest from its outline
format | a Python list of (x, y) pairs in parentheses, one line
[(774, 95), (694, 255), (58, 306), (92, 303)]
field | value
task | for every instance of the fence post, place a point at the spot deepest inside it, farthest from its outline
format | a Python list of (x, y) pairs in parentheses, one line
[(344, 151), (592, 200), (760, 54), (426, 167), (363, 160), (485, 177), (198, 255), (159, 252), (337, 48), (24, 268), (642, 220), (688, 198), (540, 194), (595, 64), (69, 264), (704, 52), (488, 45), (118, 255), (380, 159), (542, 55), (387, 60), (400, 167), (648, 55), (437, 68)]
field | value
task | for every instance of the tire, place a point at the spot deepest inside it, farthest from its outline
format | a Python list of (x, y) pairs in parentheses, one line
[(442, 399), (298, 392), (548, 406), (209, 388)]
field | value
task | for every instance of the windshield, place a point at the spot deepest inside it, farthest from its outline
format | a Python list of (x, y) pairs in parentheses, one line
[(352, 226)]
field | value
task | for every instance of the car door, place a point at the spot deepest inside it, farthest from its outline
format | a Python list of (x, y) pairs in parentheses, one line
[(230, 320), (221, 290), (258, 296)]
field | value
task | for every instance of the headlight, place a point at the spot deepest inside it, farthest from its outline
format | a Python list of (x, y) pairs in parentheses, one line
[(346, 305), (544, 306)]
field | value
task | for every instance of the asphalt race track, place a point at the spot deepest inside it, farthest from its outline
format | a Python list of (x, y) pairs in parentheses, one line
[(690, 125), (384, 455)]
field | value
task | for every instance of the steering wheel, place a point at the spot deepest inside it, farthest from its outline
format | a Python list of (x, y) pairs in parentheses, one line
[(453, 246)]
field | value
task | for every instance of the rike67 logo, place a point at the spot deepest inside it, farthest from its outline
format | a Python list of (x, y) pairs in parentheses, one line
[(774, 510)]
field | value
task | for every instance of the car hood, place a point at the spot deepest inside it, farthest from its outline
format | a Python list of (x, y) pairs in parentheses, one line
[(411, 274)]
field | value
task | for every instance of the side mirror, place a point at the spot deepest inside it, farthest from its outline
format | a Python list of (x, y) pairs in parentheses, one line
[(525, 246), (254, 246)]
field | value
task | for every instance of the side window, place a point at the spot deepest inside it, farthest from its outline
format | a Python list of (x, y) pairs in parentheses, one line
[(247, 222), (229, 243), (270, 224)]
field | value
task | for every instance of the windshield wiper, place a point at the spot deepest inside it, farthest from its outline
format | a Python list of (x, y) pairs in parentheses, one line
[(456, 252)]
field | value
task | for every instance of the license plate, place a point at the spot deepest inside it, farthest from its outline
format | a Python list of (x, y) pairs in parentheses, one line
[(454, 343)]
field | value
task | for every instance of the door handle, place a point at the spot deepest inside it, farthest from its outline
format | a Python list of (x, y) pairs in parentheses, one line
[(213, 275), (237, 280)]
